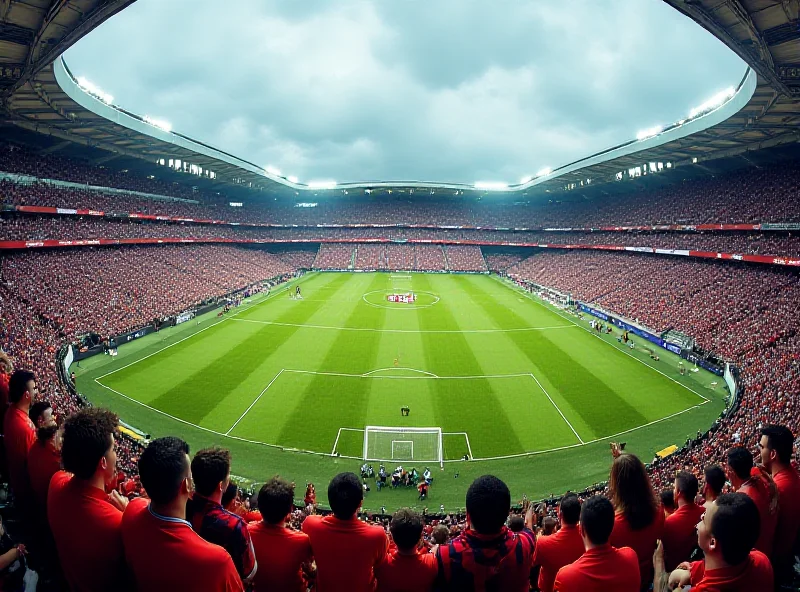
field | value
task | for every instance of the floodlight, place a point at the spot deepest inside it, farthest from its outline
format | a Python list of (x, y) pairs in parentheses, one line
[(491, 185), (292, 179), (271, 170), (544, 172), (524, 180), (321, 184), (649, 132), (714, 102), (159, 123), (94, 90)]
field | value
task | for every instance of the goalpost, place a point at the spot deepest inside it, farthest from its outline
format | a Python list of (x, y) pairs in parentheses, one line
[(403, 444)]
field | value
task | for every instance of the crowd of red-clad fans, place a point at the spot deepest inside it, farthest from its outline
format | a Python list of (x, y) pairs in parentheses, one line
[(96, 511), (753, 195), (178, 526)]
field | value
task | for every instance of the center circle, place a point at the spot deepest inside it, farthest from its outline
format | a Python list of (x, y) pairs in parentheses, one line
[(380, 299)]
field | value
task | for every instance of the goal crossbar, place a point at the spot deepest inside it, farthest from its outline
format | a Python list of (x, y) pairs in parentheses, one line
[(395, 435)]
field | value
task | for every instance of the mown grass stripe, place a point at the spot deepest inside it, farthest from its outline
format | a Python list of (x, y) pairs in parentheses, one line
[(328, 403), (457, 408), (209, 386), (600, 407)]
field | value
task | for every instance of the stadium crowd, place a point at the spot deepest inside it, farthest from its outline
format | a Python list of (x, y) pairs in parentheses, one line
[(753, 195), (98, 511), (29, 227)]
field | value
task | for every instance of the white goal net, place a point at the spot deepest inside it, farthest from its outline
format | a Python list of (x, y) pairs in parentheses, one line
[(403, 444)]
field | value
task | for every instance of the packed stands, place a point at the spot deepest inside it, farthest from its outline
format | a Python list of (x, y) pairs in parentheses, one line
[(500, 261), (400, 257), (334, 256), (129, 286), (465, 258), (767, 194), (370, 257), (429, 258)]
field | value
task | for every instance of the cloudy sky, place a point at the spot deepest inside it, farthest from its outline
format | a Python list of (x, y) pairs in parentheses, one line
[(433, 90)]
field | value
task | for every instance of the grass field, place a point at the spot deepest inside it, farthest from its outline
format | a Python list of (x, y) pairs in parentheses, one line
[(531, 393)]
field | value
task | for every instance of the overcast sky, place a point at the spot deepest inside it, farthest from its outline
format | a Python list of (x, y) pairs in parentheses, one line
[(432, 90)]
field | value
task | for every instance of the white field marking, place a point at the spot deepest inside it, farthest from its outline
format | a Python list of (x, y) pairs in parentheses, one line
[(336, 441), (431, 374), (538, 452), (575, 323), (261, 394), (413, 306), (371, 330), (432, 377), (216, 433), (279, 447), (546, 394), (214, 324), (466, 437)]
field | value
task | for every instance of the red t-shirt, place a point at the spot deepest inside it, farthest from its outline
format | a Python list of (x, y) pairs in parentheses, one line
[(555, 551), (19, 434), (680, 534), (345, 551), (788, 484), (769, 521), (754, 574), (407, 573), (280, 553), (165, 554), (86, 528), (44, 461), (642, 541), (600, 570)]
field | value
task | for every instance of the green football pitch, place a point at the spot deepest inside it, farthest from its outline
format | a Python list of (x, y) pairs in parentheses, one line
[(529, 392)]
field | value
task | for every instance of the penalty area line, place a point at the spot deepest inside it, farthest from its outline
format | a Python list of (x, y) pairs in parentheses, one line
[(549, 398), (261, 394)]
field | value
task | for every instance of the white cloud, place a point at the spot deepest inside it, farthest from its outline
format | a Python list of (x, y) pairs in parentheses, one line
[(450, 90)]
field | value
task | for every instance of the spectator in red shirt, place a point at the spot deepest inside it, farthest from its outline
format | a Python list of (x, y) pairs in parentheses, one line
[(639, 518), (19, 432), (562, 548), (487, 556), (680, 527), (346, 550), (602, 567), (407, 568), (211, 471), (776, 455), (746, 478), (84, 520), (283, 554), (726, 534), (161, 549), (714, 480), (44, 457)]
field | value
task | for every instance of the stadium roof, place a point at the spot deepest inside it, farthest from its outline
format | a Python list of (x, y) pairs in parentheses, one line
[(38, 93)]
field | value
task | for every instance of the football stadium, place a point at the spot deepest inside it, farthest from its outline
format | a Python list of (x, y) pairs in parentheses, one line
[(352, 385)]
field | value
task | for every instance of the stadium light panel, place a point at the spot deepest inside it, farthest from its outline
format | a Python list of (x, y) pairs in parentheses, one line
[(159, 123), (714, 102), (95, 90), (544, 172), (649, 132), (321, 184), (491, 185), (292, 179)]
